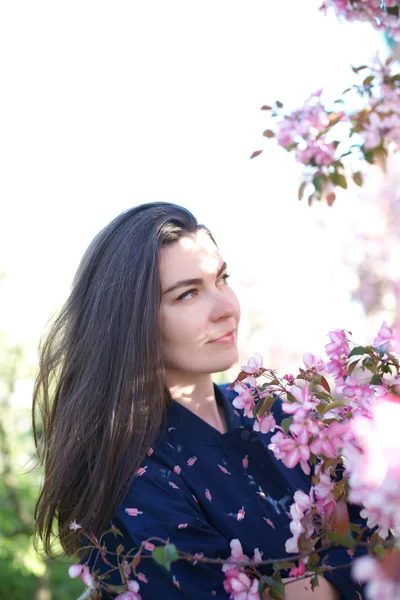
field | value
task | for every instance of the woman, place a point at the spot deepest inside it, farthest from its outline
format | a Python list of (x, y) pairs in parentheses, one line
[(134, 430)]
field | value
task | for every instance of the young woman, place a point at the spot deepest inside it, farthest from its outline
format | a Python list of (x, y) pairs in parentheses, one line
[(133, 430)]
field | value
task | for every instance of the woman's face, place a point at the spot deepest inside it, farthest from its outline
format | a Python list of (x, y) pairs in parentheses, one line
[(193, 314)]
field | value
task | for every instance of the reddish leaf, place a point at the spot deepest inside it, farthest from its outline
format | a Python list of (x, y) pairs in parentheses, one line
[(391, 564), (135, 561), (256, 153), (268, 133), (340, 518), (265, 107), (301, 190), (325, 384), (330, 199)]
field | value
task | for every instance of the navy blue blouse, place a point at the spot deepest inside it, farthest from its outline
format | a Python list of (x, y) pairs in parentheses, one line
[(200, 488)]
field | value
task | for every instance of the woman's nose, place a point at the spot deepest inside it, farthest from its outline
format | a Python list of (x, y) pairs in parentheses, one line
[(225, 306)]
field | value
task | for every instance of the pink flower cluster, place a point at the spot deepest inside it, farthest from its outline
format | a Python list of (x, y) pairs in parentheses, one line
[(385, 338), (367, 569), (308, 433), (82, 570), (237, 583), (302, 521), (337, 350), (304, 129), (372, 11), (373, 464), (245, 399), (132, 592)]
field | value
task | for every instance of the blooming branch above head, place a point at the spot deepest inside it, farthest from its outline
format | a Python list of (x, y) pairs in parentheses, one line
[(385, 338), (312, 362), (382, 15)]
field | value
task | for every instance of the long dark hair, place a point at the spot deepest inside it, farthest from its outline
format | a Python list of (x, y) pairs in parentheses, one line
[(100, 386)]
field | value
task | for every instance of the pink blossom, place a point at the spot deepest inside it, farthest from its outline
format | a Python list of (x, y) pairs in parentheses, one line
[(87, 577), (304, 401), (371, 11), (235, 557), (240, 586), (385, 337), (368, 570), (373, 464), (127, 596), (298, 525), (75, 570), (290, 451), (337, 369), (325, 502), (298, 571), (330, 440), (265, 423), (244, 399), (254, 364), (311, 361), (338, 347)]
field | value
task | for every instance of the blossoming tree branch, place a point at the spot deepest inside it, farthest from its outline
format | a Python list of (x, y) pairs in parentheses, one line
[(340, 426), (334, 142)]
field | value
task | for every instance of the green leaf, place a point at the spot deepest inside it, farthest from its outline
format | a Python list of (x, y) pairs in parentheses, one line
[(341, 181), (286, 423), (276, 589), (120, 549), (369, 156), (324, 408), (358, 350), (368, 80), (283, 565), (376, 380), (314, 582), (323, 396), (318, 182), (347, 541), (165, 555), (358, 178), (338, 179), (116, 588), (263, 405)]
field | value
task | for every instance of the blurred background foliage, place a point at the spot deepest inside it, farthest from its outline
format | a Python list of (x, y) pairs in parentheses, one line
[(23, 574)]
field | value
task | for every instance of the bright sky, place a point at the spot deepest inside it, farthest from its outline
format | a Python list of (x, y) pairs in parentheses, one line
[(110, 104)]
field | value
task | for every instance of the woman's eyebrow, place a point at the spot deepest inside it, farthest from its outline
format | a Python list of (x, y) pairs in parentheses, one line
[(186, 282)]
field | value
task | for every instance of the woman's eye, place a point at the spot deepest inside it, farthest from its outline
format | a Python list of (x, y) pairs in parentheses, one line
[(189, 292), (186, 294), (225, 277)]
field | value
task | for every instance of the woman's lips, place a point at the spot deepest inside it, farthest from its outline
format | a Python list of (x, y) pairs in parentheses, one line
[(226, 339)]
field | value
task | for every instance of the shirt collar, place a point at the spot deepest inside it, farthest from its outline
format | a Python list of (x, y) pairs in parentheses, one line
[(196, 429)]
